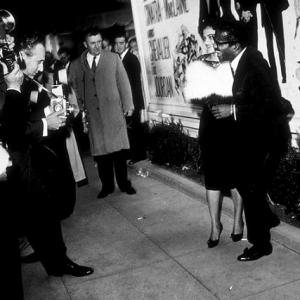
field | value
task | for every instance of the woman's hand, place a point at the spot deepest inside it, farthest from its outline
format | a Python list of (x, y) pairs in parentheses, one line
[(221, 111)]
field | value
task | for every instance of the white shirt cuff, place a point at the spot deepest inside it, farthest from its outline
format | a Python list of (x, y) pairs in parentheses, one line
[(45, 127), (47, 111), (14, 89)]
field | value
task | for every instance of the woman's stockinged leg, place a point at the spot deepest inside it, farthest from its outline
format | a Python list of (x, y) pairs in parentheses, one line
[(238, 223), (214, 200)]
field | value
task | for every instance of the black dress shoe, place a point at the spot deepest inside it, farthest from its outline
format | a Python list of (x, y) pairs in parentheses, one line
[(236, 236), (130, 191), (29, 259), (255, 253), (213, 243), (103, 193), (70, 268)]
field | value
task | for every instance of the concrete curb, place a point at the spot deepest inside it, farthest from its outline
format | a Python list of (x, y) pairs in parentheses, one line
[(285, 234)]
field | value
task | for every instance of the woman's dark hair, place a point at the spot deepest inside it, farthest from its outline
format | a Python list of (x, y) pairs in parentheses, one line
[(209, 22)]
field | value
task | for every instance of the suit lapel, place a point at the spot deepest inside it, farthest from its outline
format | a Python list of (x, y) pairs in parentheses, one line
[(240, 70), (101, 61)]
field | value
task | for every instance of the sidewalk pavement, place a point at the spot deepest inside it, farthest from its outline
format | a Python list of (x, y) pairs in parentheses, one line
[(152, 245)]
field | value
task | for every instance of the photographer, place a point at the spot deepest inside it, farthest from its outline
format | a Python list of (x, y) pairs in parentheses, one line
[(55, 167), (26, 132)]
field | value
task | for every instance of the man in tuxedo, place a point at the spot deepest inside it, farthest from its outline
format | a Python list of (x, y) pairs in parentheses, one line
[(260, 116), (133, 69), (103, 91), (24, 137)]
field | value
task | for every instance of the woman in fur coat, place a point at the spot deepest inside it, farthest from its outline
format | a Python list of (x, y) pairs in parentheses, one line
[(207, 83)]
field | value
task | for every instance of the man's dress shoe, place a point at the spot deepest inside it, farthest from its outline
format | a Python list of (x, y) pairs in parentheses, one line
[(255, 253), (31, 258), (130, 191), (103, 193), (68, 267)]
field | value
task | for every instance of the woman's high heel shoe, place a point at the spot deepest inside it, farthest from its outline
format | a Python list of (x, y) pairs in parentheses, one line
[(236, 237), (213, 243)]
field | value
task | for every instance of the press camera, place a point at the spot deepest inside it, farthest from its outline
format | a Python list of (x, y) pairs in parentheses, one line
[(7, 25), (59, 102)]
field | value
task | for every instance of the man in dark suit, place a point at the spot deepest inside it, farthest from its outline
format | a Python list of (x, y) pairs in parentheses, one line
[(24, 138), (259, 113), (133, 69)]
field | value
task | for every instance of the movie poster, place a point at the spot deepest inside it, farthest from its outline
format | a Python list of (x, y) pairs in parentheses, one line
[(168, 39), (168, 35)]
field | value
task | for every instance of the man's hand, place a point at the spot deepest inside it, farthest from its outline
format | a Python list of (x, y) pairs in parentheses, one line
[(246, 16), (55, 120), (10, 40), (221, 111), (129, 113), (14, 79)]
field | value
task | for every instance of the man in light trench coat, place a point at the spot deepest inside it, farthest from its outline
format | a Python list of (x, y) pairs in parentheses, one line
[(103, 90)]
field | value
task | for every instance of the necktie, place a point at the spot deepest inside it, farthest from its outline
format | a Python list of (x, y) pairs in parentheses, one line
[(94, 64)]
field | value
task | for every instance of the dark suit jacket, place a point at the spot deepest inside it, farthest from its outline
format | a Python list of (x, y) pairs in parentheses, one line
[(247, 4), (21, 138), (51, 158), (18, 132), (278, 5), (41, 168), (260, 110), (133, 69)]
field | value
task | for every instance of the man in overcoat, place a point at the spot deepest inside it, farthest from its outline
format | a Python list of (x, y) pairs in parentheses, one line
[(260, 115), (103, 91)]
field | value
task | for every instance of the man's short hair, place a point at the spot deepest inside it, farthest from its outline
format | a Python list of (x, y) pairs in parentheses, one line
[(28, 42), (64, 50), (91, 31), (121, 34), (231, 32)]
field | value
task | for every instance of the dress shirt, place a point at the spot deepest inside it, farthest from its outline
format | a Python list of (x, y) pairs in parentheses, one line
[(90, 58), (123, 54), (234, 64)]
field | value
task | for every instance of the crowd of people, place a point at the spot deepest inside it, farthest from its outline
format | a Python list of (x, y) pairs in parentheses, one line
[(243, 134)]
